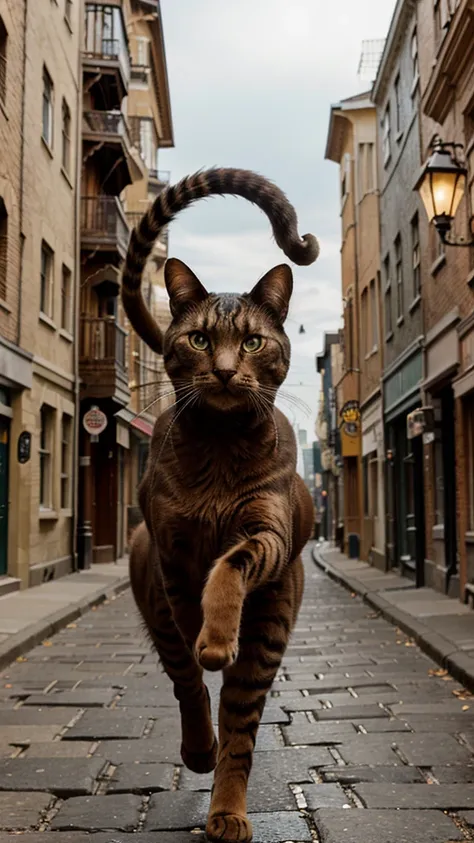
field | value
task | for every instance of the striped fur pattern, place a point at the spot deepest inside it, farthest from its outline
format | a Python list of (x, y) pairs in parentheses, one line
[(219, 181), (215, 567)]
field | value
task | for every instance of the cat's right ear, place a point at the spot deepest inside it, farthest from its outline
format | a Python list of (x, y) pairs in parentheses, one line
[(184, 288)]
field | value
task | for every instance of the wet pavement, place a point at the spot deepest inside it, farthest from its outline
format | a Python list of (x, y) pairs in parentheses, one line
[(363, 740)]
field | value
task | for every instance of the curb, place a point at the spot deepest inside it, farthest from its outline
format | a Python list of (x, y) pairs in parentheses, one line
[(23, 641), (457, 662)]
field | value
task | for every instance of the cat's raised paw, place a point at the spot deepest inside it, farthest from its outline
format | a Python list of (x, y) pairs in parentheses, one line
[(229, 828), (214, 654)]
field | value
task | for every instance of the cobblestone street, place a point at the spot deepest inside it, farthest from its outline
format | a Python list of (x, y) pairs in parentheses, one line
[(364, 740)]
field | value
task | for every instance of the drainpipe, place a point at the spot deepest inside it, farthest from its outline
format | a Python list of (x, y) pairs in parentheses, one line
[(22, 178), (76, 300)]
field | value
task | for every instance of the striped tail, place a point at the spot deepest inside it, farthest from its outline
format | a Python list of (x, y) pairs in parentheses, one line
[(267, 196)]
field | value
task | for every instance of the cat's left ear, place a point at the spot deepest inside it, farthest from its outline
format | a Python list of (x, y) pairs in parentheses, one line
[(184, 288), (274, 291)]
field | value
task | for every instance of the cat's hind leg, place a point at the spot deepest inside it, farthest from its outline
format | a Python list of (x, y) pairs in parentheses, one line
[(268, 617), (199, 744)]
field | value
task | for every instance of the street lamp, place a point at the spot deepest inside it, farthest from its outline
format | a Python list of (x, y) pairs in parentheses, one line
[(441, 186)]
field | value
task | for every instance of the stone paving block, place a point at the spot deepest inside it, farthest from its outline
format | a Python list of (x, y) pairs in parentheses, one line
[(279, 827), (62, 776), (325, 796), (350, 712), (274, 714), (318, 733), (108, 724), (22, 810), (387, 775), (426, 749), (58, 749), (380, 725), (369, 749), (152, 750), (468, 817), (150, 697), (80, 698), (416, 796), (385, 827), (141, 778), (25, 716), (268, 738), (453, 775), (99, 813), (177, 810), (111, 668), (21, 735)]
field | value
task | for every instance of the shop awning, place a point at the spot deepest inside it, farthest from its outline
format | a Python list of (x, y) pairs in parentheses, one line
[(143, 426)]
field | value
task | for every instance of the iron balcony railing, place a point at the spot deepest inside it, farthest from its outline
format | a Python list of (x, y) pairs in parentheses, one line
[(102, 339), (105, 38), (106, 123), (103, 219)]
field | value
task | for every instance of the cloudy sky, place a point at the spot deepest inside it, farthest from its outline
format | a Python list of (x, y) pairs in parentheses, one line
[(251, 84)]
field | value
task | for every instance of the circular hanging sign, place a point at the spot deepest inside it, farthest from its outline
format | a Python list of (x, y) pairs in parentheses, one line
[(94, 421)]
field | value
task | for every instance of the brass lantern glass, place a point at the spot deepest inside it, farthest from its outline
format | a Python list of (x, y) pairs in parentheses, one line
[(441, 186)]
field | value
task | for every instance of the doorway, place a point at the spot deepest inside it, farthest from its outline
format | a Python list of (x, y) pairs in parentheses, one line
[(4, 443)]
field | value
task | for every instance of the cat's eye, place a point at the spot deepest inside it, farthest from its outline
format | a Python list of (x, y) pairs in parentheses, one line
[(199, 341), (253, 344)]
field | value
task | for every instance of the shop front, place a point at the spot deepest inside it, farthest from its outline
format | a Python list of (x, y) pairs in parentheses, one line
[(373, 460)]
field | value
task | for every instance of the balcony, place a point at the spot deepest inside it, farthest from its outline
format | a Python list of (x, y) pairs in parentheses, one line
[(103, 359), (104, 226), (106, 58), (106, 136)]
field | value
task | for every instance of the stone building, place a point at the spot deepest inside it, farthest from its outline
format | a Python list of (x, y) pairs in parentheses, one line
[(396, 94), (446, 65), (39, 93), (352, 144), (327, 433)]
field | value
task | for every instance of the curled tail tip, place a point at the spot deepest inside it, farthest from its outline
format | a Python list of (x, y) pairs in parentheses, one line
[(305, 252)]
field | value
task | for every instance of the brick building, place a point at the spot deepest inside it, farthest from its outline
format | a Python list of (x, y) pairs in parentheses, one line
[(40, 85), (329, 366), (396, 95), (352, 143), (446, 63)]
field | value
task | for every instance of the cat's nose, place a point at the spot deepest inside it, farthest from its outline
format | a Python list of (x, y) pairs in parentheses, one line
[(225, 375)]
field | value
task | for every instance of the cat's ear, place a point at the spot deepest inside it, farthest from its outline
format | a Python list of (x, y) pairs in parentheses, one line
[(274, 291), (184, 288)]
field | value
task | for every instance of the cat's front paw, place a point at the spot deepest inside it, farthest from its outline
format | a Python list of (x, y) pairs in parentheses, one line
[(229, 828), (213, 651)]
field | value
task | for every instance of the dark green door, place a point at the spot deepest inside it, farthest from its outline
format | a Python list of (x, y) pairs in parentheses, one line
[(3, 496)]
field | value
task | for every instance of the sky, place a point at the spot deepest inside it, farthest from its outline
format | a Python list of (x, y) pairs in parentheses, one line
[(251, 83)]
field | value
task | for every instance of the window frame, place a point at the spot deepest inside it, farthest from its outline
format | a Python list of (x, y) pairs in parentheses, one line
[(374, 322), (416, 255), (388, 315), (397, 245), (66, 461), (3, 61), (387, 135), (66, 299), (398, 115), (47, 122), (3, 251), (66, 136), (47, 280), (46, 452)]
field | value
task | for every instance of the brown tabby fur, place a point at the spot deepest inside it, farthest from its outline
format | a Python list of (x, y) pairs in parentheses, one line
[(216, 568)]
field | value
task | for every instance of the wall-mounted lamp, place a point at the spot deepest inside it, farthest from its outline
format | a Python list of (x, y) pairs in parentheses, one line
[(441, 186)]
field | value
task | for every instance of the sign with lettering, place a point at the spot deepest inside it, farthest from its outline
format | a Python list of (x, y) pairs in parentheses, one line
[(94, 421), (350, 415), (24, 447)]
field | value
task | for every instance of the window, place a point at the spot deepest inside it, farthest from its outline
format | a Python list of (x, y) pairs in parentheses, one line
[(345, 176), (366, 168), (3, 61), (374, 316), (415, 245), (398, 115), (415, 69), (142, 47), (386, 136), (388, 298), (46, 285), (364, 306), (147, 145), (66, 133), (68, 11), (399, 276), (374, 494), (47, 108), (443, 11), (365, 467), (66, 450), (45, 456), (3, 250), (349, 334), (66, 299)]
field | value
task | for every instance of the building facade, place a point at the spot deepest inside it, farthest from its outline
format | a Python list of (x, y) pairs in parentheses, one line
[(329, 366), (352, 144), (39, 124), (396, 95), (446, 55)]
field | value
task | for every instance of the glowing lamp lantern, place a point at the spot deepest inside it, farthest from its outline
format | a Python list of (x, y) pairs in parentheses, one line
[(441, 186)]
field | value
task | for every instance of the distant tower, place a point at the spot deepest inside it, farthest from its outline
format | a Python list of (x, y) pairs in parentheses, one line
[(302, 436), (370, 57)]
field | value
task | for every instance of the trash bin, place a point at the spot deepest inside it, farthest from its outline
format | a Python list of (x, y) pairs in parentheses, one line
[(353, 545)]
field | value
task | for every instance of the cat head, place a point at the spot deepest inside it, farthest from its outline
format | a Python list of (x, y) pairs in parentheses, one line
[(231, 351)]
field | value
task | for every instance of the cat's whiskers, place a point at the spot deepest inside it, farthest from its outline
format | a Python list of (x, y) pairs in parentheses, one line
[(161, 396), (195, 395)]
